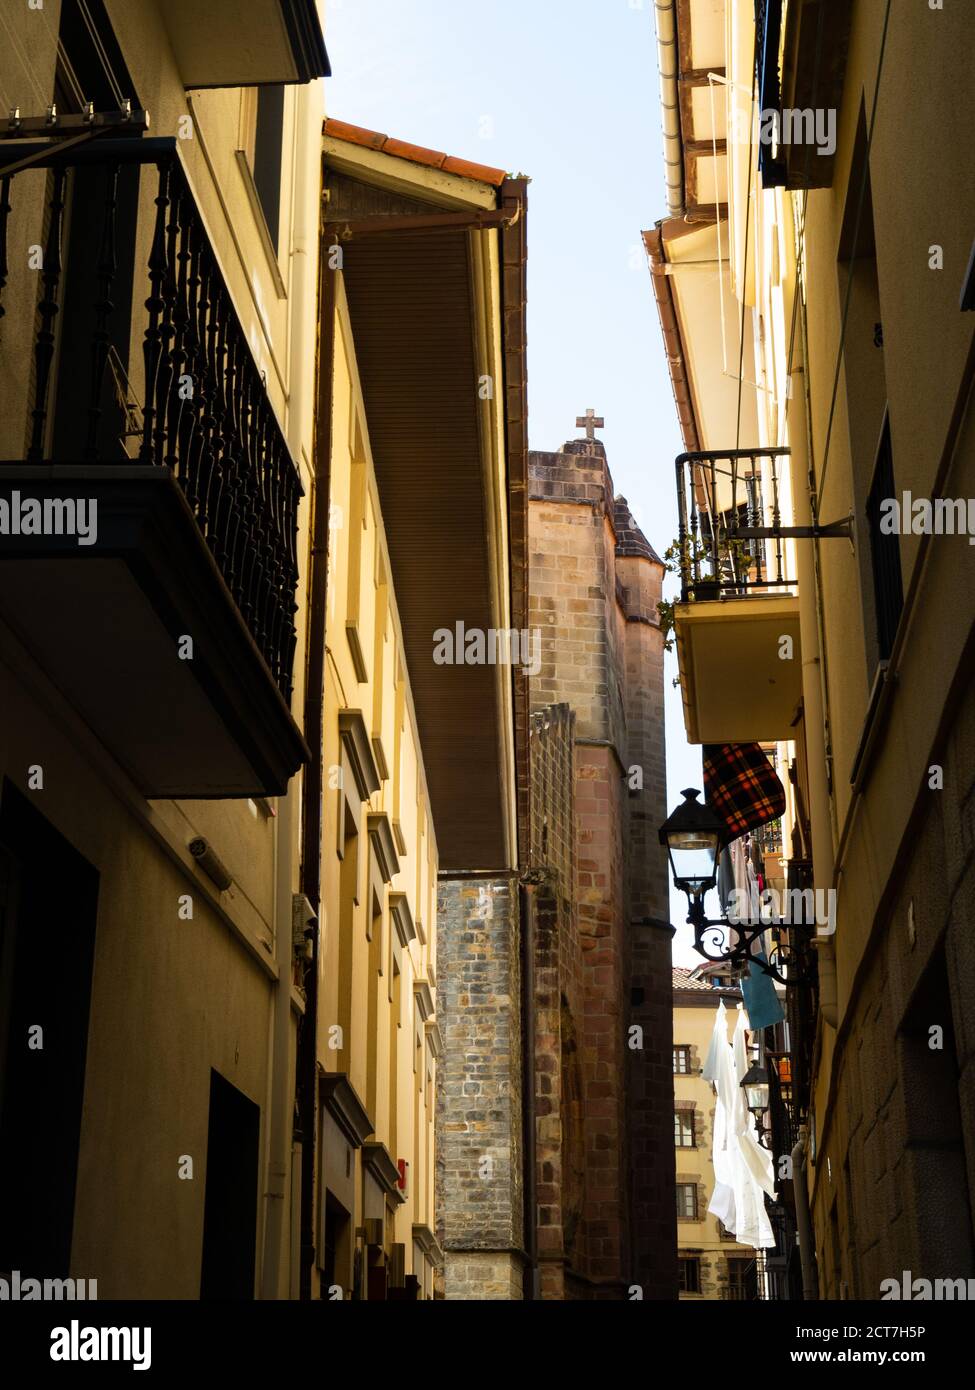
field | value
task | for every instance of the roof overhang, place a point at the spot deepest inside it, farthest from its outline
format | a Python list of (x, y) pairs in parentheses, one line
[(433, 257), (691, 46), (224, 43), (702, 325)]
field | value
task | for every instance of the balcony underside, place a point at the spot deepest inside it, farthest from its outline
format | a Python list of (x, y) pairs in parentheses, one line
[(226, 44), (106, 621), (736, 686)]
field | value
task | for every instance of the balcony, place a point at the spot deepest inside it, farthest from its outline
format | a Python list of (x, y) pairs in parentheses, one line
[(741, 682), (167, 620), (226, 44)]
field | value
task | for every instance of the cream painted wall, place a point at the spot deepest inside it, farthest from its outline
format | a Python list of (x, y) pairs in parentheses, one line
[(923, 198), (171, 998), (398, 1097)]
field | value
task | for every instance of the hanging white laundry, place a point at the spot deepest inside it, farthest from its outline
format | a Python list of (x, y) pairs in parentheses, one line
[(742, 1167), (753, 1169), (719, 1070)]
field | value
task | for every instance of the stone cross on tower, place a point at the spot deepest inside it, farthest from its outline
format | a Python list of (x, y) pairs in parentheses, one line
[(590, 422)]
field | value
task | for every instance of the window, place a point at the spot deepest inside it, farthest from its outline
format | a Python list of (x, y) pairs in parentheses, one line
[(262, 135), (871, 457), (689, 1275), (88, 44), (885, 555), (742, 1280), (682, 1061), (684, 1129), (687, 1200)]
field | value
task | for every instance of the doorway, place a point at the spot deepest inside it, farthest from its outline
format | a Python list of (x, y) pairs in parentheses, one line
[(230, 1202), (48, 909)]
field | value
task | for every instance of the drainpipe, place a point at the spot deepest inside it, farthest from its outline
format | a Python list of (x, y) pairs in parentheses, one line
[(311, 822), (807, 1255), (277, 1251), (275, 1262), (668, 67)]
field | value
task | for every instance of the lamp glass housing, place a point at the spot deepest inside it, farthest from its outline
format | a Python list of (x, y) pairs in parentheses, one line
[(755, 1085), (693, 859)]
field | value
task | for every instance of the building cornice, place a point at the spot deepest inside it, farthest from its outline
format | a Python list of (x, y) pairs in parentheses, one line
[(383, 845), (358, 746), (424, 998), (338, 1095), (376, 1160), (428, 1243), (402, 918)]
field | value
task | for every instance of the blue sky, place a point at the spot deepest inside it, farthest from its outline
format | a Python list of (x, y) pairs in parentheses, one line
[(566, 92)]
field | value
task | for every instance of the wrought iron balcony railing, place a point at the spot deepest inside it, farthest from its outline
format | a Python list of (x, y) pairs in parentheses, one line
[(769, 837), (206, 415), (730, 536)]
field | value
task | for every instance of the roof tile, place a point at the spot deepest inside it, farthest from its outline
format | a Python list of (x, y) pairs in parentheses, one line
[(468, 170), (354, 134), (415, 154), (682, 979)]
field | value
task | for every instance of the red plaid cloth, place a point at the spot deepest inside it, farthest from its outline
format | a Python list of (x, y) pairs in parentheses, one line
[(741, 786)]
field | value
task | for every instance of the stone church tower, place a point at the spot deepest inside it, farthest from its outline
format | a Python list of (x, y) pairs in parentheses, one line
[(556, 1160)]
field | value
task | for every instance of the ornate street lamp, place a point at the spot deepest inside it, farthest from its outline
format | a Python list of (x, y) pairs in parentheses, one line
[(694, 836), (755, 1085)]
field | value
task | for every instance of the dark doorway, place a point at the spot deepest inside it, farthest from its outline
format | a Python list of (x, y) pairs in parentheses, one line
[(944, 1237), (336, 1245), (48, 905), (230, 1206)]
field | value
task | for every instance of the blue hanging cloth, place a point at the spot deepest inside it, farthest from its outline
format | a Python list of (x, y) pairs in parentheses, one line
[(761, 1001)]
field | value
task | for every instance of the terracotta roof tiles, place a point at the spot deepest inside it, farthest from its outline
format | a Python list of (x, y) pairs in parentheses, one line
[(416, 154), (682, 980)]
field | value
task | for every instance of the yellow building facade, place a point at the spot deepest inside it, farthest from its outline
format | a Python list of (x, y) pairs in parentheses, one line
[(378, 1037), (835, 262), (418, 767), (711, 1264), (225, 739), (158, 349)]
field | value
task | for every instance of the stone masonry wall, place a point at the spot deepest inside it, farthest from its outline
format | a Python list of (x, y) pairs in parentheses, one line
[(479, 1163), (557, 1097), (650, 1074), (593, 591)]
